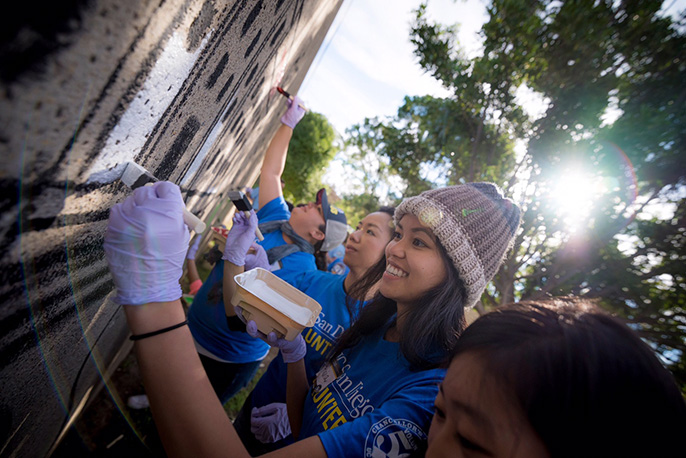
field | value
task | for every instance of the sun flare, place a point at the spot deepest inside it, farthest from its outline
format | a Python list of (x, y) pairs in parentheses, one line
[(573, 196)]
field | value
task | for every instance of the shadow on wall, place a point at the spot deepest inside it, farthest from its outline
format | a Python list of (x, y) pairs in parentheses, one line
[(183, 88)]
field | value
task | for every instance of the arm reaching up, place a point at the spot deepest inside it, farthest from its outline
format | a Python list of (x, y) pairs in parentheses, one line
[(277, 151)]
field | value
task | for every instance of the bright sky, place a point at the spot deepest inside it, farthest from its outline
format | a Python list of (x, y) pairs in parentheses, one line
[(366, 64)]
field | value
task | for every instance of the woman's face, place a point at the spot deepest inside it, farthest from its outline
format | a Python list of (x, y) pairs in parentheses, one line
[(474, 418), (307, 220), (366, 245), (413, 262)]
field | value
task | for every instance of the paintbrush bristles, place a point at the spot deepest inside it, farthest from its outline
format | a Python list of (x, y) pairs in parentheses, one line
[(135, 176)]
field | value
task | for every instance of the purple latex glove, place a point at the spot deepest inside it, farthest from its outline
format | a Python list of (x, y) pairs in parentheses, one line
[(146, 243), (291, 350), (256, 257), (240, 238), (270, 423), (294, 114), (193, 249)]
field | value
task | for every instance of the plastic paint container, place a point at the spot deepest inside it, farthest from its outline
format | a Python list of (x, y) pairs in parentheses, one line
[(274, 304)]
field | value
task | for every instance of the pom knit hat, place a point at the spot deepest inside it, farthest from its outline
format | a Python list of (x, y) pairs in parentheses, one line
[(475, 224)]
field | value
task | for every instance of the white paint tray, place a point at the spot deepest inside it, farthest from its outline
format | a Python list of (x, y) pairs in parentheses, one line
[(274, 304)]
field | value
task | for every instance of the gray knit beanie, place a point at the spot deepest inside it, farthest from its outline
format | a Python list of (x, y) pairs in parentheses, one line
[(475, 224)]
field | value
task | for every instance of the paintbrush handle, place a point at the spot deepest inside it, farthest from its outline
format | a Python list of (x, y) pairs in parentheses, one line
[(193, 222), (258, 233), (289, 97)]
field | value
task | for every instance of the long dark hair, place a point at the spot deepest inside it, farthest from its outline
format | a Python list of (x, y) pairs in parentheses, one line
[(585, 381), (432, 325)]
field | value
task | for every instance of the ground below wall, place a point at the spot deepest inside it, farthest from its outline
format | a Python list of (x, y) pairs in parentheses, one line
[(109, 428)]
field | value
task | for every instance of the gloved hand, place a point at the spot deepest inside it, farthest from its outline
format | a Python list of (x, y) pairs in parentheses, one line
[(240, 237), (294, 114), (291, 350), (146, 243), (270, 423), (256, 257), (193, 249)]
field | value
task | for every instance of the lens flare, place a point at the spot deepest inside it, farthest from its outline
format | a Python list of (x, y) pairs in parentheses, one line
[(577, 187)]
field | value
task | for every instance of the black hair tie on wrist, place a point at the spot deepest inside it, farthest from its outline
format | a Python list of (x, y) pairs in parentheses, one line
[(159, 331)]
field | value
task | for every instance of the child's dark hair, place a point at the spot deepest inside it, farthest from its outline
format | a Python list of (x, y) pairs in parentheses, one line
[(586, 382)]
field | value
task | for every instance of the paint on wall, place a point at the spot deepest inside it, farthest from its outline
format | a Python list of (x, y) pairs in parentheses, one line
[(163, 83)]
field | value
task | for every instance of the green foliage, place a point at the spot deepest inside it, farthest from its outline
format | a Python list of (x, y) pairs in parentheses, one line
[(357, 206), (370, 172), (309, 153), (582, 58), (232, 407)]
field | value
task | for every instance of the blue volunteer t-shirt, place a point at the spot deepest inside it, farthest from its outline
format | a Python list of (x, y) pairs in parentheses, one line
[(206, 316), (376, 407), (327, 290)]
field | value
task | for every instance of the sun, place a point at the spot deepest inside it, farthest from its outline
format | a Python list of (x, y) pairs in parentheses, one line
[(573, 196)]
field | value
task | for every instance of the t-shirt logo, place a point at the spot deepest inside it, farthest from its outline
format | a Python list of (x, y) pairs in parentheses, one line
[(394, 438)]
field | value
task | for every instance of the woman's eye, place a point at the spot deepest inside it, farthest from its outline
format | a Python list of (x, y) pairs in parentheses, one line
[(397, 235), (469, 445), (370, 232), (417, 242)]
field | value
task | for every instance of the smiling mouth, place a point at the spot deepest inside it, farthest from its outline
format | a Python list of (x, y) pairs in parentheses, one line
[(395, 271)]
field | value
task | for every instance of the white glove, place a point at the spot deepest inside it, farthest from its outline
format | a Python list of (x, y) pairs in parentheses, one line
[(270, 423)]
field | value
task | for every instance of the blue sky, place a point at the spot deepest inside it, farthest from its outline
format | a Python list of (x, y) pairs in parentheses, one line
[(366, 66)]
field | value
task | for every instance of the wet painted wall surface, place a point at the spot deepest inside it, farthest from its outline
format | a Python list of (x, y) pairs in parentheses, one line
[(184, 88)]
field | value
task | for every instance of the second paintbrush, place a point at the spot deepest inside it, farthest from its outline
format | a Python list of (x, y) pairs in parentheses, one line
[(289, 96)]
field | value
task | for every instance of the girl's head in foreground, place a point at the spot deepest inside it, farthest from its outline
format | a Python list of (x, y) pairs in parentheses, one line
[(556, 378), (448, 245)]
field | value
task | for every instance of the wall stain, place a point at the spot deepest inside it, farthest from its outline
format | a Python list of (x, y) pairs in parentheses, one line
[(225, 88), (218, 70), (178, 148), (251, 75), (253, 43), (277, 34), (252, 16)]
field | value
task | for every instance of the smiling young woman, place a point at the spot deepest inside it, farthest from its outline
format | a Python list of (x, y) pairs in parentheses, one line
[(374, 395), (262, 423)]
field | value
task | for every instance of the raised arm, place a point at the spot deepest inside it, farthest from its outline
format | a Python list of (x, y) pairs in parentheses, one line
[(145, 246), (277, 151)]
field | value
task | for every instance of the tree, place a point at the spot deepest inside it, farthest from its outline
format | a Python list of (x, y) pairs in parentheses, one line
[(589, 62), (310, 150)]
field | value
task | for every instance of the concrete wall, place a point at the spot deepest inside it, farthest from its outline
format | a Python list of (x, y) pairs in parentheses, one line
[(181, 87)]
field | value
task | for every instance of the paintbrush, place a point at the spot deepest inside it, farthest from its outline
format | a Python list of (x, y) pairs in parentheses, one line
[(240, 200), (135, 176), (288, 96)]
